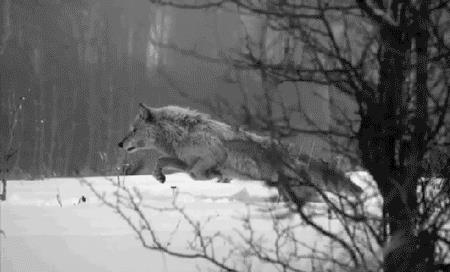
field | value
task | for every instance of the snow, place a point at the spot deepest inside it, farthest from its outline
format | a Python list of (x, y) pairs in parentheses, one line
[(43, 234)]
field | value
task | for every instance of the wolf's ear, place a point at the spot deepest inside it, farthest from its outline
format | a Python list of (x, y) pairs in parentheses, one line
[(145, 113)]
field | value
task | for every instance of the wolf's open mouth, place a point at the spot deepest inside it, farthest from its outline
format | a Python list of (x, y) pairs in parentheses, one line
[(131, 148)]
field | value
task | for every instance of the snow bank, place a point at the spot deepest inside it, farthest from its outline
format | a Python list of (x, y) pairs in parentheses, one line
[(69, 190), (48, 229)]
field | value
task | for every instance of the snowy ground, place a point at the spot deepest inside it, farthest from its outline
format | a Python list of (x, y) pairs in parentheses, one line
[(40, 235)]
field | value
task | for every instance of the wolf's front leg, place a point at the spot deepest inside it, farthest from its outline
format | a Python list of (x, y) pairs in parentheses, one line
[(165, 162)]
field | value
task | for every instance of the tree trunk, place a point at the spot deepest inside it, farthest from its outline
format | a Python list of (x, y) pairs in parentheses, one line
[(380, 142), (3, 193), (53, 130), (6, 25), (401, 247)]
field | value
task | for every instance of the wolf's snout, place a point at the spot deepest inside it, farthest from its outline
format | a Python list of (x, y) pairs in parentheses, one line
[(120, 144)]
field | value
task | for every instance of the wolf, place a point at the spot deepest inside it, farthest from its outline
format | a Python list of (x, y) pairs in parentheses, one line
[(195, 143)]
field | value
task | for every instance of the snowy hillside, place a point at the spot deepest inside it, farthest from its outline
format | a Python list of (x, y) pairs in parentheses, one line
[(48, 227)]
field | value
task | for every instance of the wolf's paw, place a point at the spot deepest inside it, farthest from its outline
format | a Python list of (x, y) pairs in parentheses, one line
[(223, 180), (159, 176)]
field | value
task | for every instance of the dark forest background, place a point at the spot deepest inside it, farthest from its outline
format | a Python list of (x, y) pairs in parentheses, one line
[(77, 69)]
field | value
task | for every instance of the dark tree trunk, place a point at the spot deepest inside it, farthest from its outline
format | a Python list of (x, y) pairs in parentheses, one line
[(381, 143), (393, 159), (3, 193)]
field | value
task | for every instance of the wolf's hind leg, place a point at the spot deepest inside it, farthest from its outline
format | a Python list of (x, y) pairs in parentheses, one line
[(203, 170), (215, 173), (164, 162)]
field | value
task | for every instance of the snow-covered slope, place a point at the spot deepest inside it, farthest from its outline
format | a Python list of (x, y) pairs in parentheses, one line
[(45, 192), (48, 228)]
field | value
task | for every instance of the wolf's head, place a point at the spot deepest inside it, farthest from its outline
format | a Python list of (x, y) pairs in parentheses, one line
[(142, 132)]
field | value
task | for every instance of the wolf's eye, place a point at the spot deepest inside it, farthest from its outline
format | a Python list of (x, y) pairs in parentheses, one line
[(134, 130)]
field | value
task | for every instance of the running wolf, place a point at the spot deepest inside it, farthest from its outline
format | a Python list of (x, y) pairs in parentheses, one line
[(205, 148)]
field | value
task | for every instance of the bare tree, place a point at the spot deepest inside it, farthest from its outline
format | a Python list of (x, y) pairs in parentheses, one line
[(391, 60), (8, 149)]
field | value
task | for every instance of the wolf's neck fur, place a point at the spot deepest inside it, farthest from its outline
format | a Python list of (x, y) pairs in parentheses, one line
[(175, 124), (168, 136)]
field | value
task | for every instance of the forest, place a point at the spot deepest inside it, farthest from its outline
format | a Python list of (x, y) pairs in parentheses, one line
[(360, 87), (78, 69)]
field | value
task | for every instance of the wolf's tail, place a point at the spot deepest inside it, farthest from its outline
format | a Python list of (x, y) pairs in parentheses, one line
[(324, 174)]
